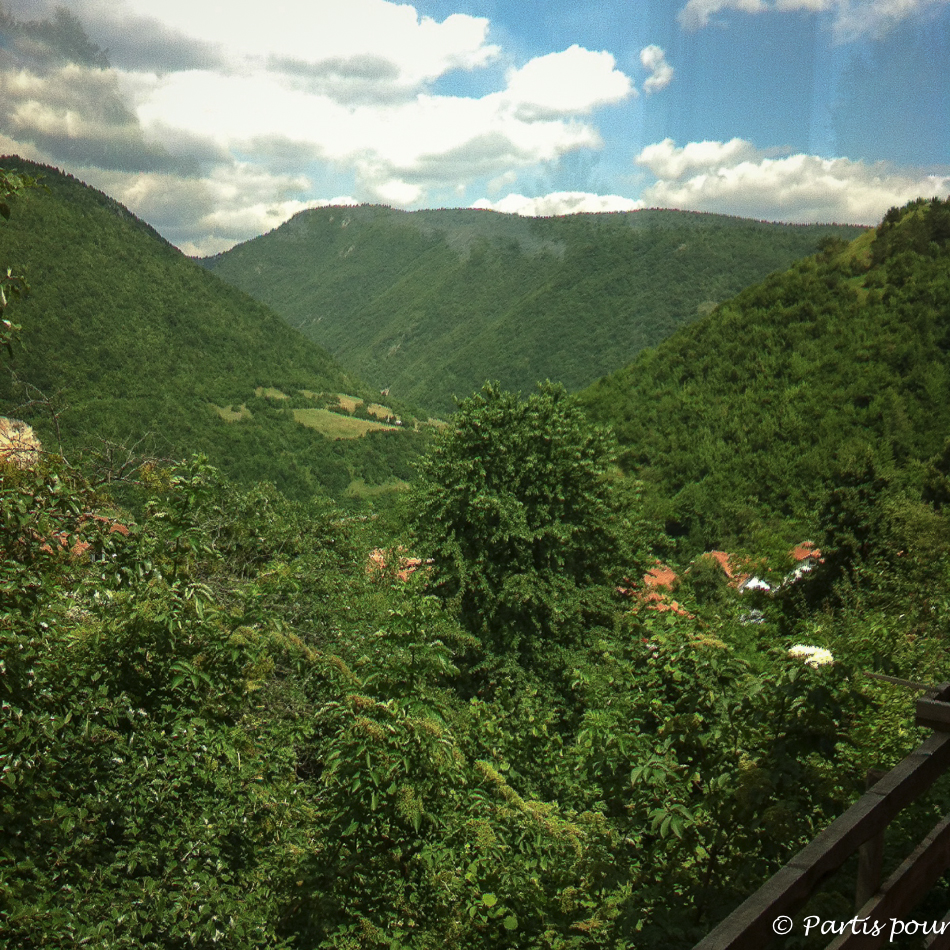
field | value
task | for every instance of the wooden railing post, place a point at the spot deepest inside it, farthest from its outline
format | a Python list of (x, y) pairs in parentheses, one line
[(870, 855)]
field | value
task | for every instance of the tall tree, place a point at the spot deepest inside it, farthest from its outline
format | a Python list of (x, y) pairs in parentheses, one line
[(520, 516)]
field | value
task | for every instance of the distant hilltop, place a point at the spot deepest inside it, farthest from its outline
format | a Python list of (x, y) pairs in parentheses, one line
[(430, 304)]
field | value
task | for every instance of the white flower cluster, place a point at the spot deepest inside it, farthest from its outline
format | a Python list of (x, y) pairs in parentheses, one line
[(813, 656)]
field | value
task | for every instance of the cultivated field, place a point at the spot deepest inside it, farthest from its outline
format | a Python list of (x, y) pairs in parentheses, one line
[(335, 426), (230, 414)]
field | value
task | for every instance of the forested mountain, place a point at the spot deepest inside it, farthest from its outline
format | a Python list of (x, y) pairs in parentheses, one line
[(124, 336), (430, 304), (743, 422)]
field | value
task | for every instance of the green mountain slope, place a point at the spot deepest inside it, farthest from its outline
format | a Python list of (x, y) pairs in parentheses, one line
[(127, 336), (746, 419), (431, 303)]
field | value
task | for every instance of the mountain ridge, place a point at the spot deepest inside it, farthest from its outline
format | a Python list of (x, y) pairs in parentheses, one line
[(431, 303)]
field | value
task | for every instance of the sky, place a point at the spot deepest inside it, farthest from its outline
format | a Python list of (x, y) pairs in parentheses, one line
[(217, 120)]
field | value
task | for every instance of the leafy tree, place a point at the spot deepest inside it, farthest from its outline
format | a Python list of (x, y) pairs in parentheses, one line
[(516, 509)]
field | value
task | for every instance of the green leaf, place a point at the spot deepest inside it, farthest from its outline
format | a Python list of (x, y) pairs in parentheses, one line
[(489, 899)]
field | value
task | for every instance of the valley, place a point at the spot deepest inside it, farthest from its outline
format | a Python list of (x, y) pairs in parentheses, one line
[(430, 304)]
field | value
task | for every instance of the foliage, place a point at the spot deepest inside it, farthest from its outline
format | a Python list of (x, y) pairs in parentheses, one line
[(139, 809), (11, 284), (739, 425), (223, 730), (219, 728), (431, 303), (515, 510), (708, 768)]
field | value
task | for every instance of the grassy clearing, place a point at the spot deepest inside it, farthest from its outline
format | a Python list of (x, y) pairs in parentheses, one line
[(229, 414), (335, 426), (359, 489), (380, 411), (270, 393), (349, 403)]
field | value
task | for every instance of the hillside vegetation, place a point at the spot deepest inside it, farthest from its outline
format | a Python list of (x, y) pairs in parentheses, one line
[(743, 422), (430, 304), (124, 336)]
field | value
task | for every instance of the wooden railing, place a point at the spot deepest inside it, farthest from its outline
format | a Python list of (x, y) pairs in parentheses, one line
[(750, 926)]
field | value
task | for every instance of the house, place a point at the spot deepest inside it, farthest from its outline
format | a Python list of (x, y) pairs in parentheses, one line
[(653, 590), (806, 557), (380, 562), (657, 583)]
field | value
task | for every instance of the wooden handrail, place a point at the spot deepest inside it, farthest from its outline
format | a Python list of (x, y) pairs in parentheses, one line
[(749, 927), (903, 889)]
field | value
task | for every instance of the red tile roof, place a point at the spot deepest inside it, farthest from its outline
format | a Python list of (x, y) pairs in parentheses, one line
[(378, 563), (805, 550), (660, 576), (655, 582)]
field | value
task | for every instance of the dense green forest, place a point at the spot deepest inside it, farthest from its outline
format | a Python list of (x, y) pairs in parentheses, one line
[(125, 339), (429, 304), (839, 367), (226, 723)]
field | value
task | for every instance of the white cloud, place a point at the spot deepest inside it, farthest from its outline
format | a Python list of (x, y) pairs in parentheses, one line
[(698, 13), (398, 150), (347, 201), (666, 160), (558, 203), (851, 19), (875, 18), (212, 213), (73, 110), (418, 47), (735, 178), (573, 82), (500, 182), (661, 72), (199, 131)]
